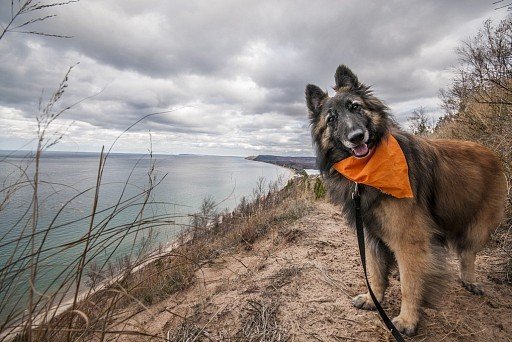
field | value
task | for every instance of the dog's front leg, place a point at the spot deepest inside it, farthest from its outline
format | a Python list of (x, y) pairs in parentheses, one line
[(405, 229), (379, 261), (414, 259)]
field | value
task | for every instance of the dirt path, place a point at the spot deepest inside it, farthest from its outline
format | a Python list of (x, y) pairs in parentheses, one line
[(298, 281)]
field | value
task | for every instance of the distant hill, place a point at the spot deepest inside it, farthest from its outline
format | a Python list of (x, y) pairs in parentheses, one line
[(296, 163)]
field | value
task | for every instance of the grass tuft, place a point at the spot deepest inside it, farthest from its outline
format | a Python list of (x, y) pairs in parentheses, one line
[(261, 323)]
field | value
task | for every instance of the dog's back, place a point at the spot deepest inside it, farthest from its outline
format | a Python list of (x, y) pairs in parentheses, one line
[(469, 194), (461, 183)]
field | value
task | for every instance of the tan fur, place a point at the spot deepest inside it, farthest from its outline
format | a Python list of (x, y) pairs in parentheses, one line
[(411, 246)]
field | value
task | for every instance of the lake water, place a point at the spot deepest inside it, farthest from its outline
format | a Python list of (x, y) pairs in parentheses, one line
[(65, 201)]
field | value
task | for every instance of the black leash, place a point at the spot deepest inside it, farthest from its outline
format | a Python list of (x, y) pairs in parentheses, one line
[(360, 240)]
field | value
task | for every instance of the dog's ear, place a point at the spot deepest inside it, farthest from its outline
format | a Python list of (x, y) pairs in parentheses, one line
[(314, 98), (345, 78)]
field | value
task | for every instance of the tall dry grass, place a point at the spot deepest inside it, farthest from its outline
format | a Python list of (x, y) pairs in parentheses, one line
[(91, 300), (61, 310)]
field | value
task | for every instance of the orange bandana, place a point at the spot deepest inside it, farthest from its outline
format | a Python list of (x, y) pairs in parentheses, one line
[(386, 169)]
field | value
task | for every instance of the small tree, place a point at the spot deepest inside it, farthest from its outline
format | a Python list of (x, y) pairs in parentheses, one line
[(484, 73), (202, 220), (420, 123)]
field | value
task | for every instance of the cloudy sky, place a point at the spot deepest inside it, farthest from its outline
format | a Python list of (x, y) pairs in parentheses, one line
[(234, 72)]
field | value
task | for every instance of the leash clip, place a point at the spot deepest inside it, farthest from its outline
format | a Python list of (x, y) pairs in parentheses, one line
[(355, 193)]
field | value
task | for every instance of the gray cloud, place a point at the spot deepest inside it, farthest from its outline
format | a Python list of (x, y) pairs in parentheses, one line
[(238, 67)]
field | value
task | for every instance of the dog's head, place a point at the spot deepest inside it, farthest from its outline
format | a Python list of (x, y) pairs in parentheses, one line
[(351, 122)]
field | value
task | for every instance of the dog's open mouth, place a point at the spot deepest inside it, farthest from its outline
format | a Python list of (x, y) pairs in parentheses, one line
[(361, 151)]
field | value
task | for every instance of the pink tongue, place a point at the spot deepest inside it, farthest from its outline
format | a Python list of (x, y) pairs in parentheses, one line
[(360, 150)]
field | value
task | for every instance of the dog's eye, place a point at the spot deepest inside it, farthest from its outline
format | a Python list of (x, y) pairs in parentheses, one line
[(354, 106), (332, 115)]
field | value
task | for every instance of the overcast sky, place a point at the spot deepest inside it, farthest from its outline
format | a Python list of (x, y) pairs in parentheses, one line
[(234, 70)]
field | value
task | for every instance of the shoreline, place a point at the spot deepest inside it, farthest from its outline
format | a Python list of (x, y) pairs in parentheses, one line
[(296, 172), (297, 164)]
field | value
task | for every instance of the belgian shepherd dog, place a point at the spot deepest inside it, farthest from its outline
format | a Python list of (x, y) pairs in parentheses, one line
[(459, 193)]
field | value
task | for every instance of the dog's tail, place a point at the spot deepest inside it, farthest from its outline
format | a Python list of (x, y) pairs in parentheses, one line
[(436, 277)]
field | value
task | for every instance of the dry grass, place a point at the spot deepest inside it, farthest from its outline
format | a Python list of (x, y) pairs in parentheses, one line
[(284, 276), (188, 332), (261, 323), (240, 229)]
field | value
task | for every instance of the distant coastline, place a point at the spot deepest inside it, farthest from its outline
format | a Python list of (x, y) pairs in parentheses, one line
[(295, 163)]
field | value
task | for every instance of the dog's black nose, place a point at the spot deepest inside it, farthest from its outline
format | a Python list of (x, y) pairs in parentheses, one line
[(356, 136)]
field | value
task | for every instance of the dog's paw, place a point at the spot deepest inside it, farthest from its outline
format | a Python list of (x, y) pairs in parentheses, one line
[(474, 288), (406, 326), (363, 301)]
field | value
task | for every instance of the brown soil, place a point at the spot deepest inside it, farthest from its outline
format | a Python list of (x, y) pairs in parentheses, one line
[(296, 283)]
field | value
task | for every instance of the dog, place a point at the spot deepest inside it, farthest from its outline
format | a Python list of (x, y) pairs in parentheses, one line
[(459, 192)]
